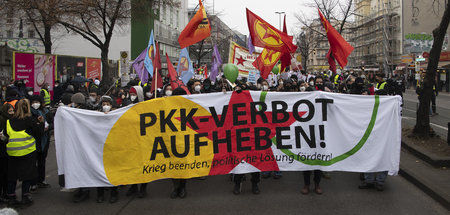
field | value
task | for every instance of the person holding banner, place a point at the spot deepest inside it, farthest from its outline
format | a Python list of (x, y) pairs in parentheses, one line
[(79, 101), (106, 107), (136, 96), (179, 185), (22, 130)]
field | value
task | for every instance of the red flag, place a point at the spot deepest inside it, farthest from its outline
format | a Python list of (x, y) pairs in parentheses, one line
[(339, 47), (266, 61), (286, 56), (157, 70), (205, 70), (331, 61), (175, 80), (157, 58), (196, 30), (265, 35)]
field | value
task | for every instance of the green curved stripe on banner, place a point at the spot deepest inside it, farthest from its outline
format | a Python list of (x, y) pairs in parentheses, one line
[(340, 157)]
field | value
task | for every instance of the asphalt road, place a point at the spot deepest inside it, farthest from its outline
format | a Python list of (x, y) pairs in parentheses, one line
[(214, 196), (438, 122)]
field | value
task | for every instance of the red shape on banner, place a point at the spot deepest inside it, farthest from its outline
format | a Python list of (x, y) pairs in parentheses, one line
[(208, 125)]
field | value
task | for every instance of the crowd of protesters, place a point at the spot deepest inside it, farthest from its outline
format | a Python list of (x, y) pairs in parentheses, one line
[(27, 123)]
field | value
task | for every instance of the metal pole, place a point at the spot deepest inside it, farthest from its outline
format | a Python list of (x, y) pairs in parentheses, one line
[(279, 18)]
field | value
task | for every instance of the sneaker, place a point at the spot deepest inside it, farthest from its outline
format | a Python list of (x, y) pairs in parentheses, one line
[(237, 188), (365, 185), (174, 194), (80, 195), (27, 201), (255, 189), (43, 185), (63, 189), (12, 202), (182, 192), (33, 188), (132, 190)]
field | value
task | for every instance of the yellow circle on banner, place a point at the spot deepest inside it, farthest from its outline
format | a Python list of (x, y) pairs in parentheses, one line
[(267, 35), (127, 153)]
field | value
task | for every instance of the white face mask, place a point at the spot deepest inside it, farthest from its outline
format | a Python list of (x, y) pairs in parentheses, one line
[(133, 98), (197, 88), (148, 94), (30, 93), (311, 83), (72, 105), (106, 108), (123, 97), (302, 89), (56, 85), (265, 88), (168, 92), (93, 99), (258, 86), (35, 105)]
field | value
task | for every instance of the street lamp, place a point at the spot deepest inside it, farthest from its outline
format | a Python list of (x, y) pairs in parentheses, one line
[(279, 15)]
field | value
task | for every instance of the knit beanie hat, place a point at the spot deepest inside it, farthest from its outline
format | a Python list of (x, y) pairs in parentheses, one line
[(132, 90), (78, 98)]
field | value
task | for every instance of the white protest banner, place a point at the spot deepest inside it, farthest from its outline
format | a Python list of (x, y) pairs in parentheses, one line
[(242, 58), (212, 134)]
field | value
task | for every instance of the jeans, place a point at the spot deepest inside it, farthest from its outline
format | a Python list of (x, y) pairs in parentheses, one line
[(25, 187), (375, 177)]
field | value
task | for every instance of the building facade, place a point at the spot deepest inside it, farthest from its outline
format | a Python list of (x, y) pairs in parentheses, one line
[(21, 36), (377, 34)]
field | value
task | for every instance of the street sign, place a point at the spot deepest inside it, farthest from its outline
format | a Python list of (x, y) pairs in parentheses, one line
[(417, 66)]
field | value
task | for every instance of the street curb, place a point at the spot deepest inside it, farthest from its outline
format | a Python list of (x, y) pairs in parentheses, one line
[(436, 161), (428, 190)]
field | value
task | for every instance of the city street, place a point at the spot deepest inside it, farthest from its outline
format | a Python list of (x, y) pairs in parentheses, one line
[(214, 196), (438, 122)]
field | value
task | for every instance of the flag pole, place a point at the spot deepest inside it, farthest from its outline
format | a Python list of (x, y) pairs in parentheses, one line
[(156, 82)]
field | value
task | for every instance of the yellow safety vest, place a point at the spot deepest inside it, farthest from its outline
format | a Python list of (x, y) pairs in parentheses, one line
[(20, 142), (380, 86), (46, 97), (336, 78)]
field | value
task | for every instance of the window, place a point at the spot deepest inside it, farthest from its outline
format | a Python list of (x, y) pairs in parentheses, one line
[(9, 34), (171, 17), (30, 34), (178, 19)]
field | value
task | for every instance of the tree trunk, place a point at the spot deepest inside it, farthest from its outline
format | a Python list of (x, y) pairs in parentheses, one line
[(107, 76), (422, 127), (47, 39)]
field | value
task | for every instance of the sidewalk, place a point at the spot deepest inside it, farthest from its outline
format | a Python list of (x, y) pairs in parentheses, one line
[(432, 180)]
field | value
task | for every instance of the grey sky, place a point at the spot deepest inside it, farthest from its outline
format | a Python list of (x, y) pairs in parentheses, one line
[(233, 12)]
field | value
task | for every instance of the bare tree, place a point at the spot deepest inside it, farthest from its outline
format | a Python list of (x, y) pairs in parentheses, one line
[(96, 21), (42, 14), (335, 11), (422, 128)]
